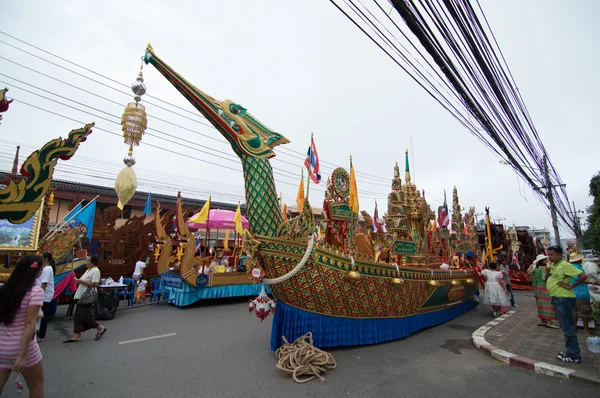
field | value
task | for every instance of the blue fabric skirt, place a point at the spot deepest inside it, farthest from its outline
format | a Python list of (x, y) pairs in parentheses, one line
[(330, 331)]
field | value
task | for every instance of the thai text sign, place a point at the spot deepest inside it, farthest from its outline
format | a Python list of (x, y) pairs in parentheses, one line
[(172, 281), (404, 247), (340, 212)]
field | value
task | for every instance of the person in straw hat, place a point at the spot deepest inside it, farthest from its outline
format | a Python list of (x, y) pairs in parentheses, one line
[(583, 306), (546, 311)]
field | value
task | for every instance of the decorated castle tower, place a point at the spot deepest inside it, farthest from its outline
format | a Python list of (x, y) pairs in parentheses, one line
[(458, 236), (406, 219)]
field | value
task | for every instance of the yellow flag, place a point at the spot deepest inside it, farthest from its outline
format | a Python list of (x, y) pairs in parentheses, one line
[(434, 225), (201, 217), (300, 196), (284, 213), (237, 219), (226, 241), (353, 202)]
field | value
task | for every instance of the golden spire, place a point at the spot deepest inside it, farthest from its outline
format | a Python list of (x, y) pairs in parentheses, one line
[(407, 174)]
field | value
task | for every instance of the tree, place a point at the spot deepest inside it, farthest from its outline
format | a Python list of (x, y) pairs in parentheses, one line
[(591, 236)]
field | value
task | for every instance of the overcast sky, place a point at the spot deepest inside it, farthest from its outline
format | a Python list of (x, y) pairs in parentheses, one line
[(299, 67)]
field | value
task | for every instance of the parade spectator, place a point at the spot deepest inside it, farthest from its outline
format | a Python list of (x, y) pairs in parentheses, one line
[(560, 288), (46, 282), (505, 269), (84, 313), (20, 303), (140, 292), (583, 306), (139, 270), (546, 311), (241, 267), (495, 294)]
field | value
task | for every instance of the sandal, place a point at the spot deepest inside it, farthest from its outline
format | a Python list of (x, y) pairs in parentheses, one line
[(99, 335), (71, 341), (565, 358)]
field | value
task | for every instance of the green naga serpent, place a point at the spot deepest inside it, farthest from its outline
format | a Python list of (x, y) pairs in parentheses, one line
[(20, 199), (342, 298)]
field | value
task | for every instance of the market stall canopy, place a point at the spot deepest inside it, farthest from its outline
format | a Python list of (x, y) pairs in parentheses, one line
[(218, 219)]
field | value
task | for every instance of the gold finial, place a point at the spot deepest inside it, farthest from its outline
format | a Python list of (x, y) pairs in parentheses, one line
[(149, 48), (406, 151)]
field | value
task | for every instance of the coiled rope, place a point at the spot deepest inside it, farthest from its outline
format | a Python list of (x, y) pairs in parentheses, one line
[(303, 359)]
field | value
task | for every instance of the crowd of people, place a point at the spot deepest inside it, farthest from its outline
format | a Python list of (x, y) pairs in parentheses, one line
[(562, 297)]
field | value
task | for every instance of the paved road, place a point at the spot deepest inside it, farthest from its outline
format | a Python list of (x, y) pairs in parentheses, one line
[(222, 351)]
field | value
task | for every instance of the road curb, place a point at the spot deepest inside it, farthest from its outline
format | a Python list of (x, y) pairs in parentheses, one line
[(511, 359)]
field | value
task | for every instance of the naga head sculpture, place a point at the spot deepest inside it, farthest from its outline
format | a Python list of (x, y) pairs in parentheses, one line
[(246, 134)]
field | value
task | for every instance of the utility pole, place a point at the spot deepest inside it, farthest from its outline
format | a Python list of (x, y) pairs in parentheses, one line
[(550, 197), (577, 225)]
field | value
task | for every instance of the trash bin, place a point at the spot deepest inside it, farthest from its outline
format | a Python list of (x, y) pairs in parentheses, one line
[(107, 304)]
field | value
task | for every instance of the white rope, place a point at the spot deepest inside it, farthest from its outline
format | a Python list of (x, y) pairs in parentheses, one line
[(297, 268)]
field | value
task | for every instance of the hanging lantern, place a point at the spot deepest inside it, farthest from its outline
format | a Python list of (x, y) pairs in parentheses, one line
[(133, 125)]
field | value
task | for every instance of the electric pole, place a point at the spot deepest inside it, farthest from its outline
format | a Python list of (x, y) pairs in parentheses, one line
[(577, 226), (550, 197)]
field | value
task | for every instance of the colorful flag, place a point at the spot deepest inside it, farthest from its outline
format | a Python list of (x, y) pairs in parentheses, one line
[(316, 233), (148, 206), (86, 217), (375, 217), (444, 214), (201, 217), (226, 240), (353, 201), (312, 162), (300, 195), (72, 213), (198, 243), (237, 219)]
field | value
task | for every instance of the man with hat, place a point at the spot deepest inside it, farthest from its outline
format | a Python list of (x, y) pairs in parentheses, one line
[(560, 286), (583, 307)]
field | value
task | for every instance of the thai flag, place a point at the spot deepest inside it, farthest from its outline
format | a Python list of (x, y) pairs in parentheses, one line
[(316, 234), (375, 217), (198, 243), (444, 214), (312, 162), (515, 260)]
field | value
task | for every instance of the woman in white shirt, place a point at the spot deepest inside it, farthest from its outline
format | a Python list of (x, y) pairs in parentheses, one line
[(84, 313), (46, 282)]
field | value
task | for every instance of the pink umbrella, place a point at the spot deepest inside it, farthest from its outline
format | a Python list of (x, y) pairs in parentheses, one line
[(219, 219)]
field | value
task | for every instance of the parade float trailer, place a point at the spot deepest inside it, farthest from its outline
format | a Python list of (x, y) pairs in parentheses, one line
[(340, 294), (184, 267)]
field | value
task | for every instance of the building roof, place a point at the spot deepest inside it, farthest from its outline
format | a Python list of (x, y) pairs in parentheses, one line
[(70, 190)]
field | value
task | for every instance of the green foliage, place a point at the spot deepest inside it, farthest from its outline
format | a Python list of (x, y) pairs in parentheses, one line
[(591, 237)]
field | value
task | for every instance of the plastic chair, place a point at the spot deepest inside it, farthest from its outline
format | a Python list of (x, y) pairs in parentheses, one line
[(128, 292), (157, 289)]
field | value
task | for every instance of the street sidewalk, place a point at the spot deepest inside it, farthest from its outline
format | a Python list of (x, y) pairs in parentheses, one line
[(517, 340)]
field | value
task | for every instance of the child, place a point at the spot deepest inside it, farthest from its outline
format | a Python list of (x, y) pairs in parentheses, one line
[(141, 290)]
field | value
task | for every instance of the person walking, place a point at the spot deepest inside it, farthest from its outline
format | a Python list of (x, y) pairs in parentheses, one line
[(495, 294), (84, 313), (546, 311), (560, 288), (20, 303), (505, 269), (46, 282)]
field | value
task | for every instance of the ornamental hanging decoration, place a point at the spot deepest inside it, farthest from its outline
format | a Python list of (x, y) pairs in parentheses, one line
[(4, 102), (263, 305), (133, 125)]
